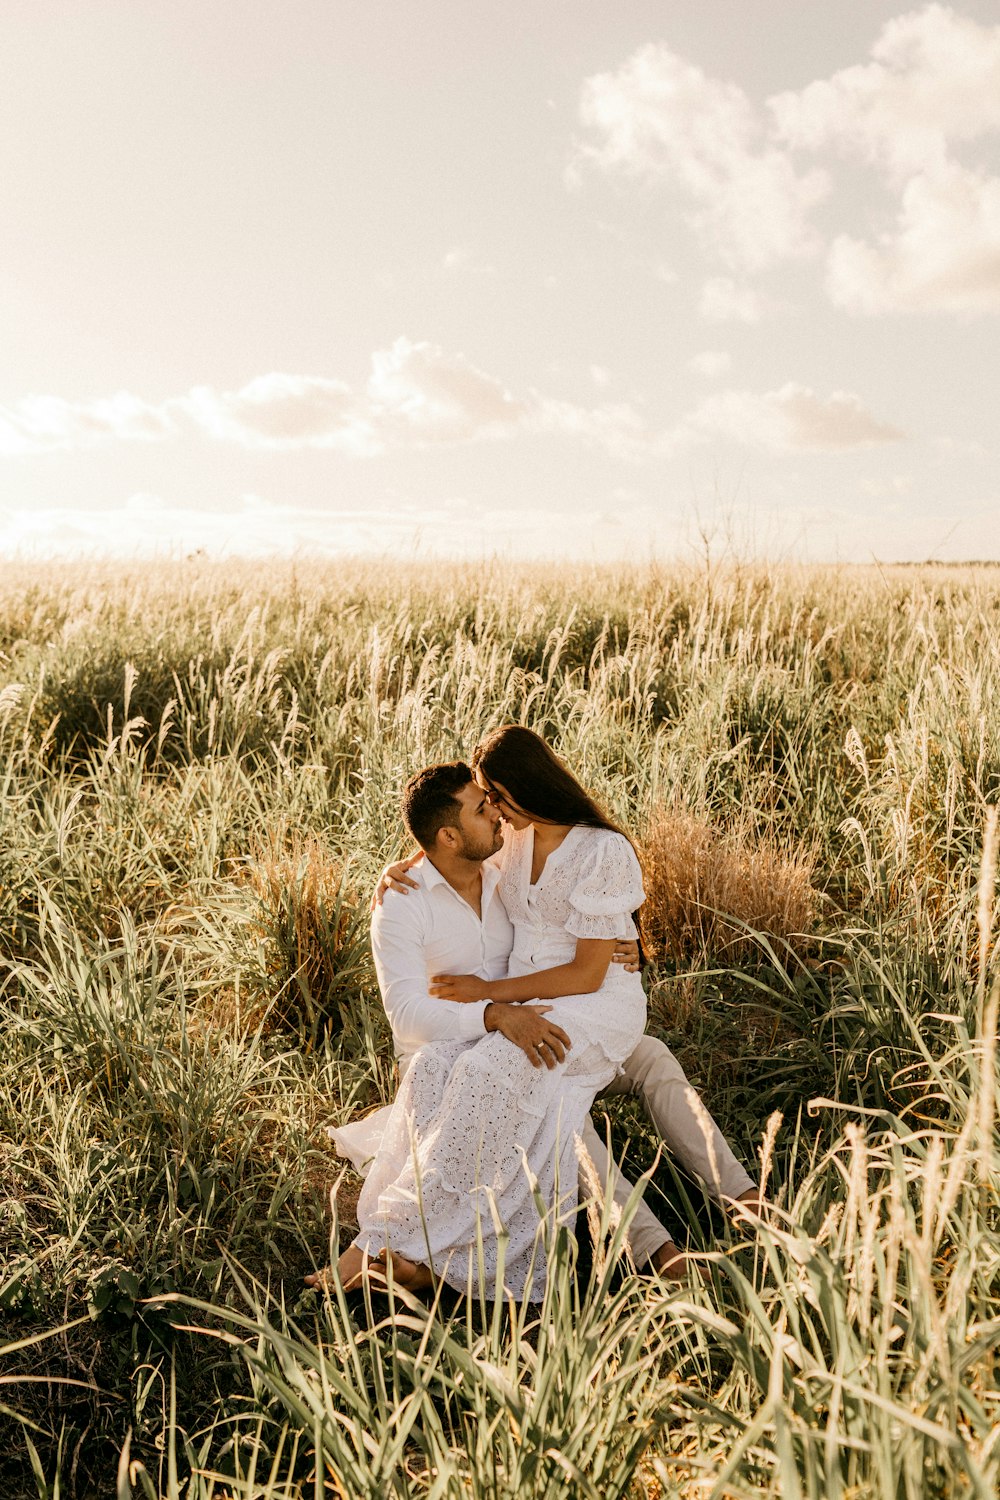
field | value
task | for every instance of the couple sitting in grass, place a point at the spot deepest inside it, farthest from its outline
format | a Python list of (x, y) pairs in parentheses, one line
[(507, 960)]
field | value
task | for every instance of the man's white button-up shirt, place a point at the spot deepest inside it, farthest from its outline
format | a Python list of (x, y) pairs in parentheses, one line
[(432, 930)]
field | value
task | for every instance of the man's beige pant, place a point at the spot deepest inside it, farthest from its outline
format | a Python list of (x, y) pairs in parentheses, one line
[(688, 1130)]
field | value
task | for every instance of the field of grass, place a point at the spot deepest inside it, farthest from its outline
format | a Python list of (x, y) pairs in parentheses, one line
[(200, 774)]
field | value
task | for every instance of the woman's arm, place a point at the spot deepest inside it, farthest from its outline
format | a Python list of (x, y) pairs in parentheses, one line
[(395, 878), (581, 976)]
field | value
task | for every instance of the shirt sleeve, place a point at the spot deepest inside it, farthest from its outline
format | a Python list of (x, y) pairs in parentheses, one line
[(608, 891), (415, 1016)]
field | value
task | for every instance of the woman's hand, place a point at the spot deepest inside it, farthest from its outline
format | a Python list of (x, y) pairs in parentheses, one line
[(395, 878), (465, 988)]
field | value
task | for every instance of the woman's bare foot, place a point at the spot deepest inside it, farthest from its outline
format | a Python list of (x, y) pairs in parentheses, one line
[(349, 1272), (409, 1273), (351, 1269)]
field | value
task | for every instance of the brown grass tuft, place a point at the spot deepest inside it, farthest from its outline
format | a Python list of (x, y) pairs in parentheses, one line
[(310, 926), (705, 888)]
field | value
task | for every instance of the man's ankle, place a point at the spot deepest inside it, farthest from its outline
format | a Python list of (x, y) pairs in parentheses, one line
[(667, 1258)]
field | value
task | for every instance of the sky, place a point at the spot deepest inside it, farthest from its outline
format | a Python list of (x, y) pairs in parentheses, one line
[(591, 279)]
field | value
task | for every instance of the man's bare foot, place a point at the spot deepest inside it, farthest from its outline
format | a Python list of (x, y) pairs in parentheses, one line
[(749, 1207), (672, 1264)]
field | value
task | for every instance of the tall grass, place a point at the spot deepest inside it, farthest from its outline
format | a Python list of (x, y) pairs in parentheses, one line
[(199, 782)]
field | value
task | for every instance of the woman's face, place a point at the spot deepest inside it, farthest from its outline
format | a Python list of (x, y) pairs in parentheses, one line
[(504, 804)]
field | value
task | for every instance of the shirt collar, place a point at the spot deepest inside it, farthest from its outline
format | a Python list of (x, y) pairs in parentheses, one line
[(432, 878)]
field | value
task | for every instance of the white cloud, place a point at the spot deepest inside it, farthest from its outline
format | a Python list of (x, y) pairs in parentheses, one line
[(460, 258), (660, 117), (615, 428), (793, 419), (928, 92), (600, 528), (417, 391), (725, 301), (417, 396), (934, 78), (892, 487), (711, 363), (949, 448), (149, 526), (146, 526), (933, 84), (283, 411), (942, 256), (600, 375), (40, 424)]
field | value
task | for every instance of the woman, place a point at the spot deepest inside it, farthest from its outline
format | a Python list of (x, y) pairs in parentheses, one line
[(477, 1132)]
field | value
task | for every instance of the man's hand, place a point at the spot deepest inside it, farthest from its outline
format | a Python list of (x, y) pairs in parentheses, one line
[(627, 953), (466, 988), (541, 1040)]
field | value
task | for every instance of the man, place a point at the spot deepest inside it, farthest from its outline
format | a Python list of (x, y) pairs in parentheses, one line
[(451, 920)]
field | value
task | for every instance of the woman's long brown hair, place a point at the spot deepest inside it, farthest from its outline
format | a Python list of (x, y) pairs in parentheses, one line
[(536, 779), (542, 786)]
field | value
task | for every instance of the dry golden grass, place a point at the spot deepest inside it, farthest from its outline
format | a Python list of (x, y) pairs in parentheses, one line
[(708, 895), (308, 924)]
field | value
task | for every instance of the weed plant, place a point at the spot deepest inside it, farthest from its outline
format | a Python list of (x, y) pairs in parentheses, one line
[(199, 783)]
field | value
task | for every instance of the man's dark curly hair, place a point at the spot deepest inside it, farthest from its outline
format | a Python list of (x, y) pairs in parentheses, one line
[(429, 802)]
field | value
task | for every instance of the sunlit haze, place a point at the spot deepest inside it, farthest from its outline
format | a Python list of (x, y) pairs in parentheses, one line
[(451, 278)]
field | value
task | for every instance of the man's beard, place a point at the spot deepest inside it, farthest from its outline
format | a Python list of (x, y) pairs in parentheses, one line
[(475, 852)]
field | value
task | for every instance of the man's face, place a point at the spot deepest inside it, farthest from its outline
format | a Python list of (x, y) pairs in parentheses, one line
[(479, 824)]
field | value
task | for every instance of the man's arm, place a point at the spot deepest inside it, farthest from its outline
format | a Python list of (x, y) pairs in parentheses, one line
[(398, 939)]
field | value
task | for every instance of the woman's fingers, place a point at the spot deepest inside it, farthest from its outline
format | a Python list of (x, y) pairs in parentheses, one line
[(452, 992), (455, 987), (394, 878)]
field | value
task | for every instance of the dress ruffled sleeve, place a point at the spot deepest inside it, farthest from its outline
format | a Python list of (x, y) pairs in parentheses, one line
[(608, 891)]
